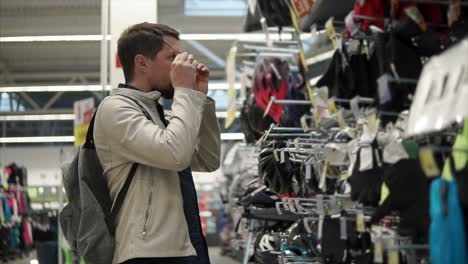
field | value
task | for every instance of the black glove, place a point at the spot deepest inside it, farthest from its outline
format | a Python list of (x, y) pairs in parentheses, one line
[(409, 195), (366, 185)]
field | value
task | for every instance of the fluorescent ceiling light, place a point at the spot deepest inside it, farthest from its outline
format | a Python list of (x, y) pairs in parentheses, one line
[(240, 36), (212, 36), (53, 88), (86, 88), (232, 136), (38, 117), (54, 38), (70, 139), (61, 139)]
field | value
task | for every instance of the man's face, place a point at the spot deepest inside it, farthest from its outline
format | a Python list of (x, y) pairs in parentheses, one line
[(159, 73)]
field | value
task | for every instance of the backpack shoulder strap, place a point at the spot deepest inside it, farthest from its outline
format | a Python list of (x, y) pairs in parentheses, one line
[(123, 192), (89, 143), (140, 105)]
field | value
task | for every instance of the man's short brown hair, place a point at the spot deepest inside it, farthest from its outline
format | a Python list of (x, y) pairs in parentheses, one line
[(144, 38)]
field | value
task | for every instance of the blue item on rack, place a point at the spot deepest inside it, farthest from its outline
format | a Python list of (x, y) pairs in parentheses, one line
[(6, 210), (15, 239), (447, 232)]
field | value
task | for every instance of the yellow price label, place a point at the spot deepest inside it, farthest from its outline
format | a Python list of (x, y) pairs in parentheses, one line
[(316, 118), (384, 193), (372, 122), (331, 106), (428, 163), (360, 226), (304, 123), (378, 251), (312, 99), (330, 28), (80, 133), (326, 166), (331, 32), (294, 20), (304, 61), (393, 257), (340, 118), (350, 132)]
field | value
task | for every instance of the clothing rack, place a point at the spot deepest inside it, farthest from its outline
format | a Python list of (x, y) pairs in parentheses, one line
[(318, 175)]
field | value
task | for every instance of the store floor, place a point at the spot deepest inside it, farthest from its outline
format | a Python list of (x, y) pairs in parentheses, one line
[(215, 257)]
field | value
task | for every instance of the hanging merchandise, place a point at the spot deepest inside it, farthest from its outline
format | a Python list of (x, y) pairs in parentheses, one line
[(265, 247), (448, 231), (293, 113), (322, 10), (253, 123), (408, 194), (438, 100), (367, 161), (271, 79), (299, 242), (369, 12), (275, 13), (16, 238), (366, 181)]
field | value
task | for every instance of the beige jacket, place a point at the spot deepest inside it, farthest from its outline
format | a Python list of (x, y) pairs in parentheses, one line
[(151, 222)]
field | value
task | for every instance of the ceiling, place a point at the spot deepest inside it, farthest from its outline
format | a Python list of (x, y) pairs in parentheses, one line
[(28, 61), (78, 62), (66, 63)]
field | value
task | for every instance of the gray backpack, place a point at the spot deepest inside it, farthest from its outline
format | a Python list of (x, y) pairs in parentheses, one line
[(87, 221)]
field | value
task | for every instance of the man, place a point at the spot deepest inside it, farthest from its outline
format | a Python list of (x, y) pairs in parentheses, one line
[(159, 220)]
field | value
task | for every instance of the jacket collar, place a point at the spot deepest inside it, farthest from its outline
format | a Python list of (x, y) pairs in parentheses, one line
[(131, 91)]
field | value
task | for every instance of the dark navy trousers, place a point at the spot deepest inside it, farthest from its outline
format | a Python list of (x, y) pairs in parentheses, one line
[(192, 215)]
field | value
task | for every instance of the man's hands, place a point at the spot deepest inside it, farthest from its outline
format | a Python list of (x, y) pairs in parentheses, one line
[(189, 73), (203, 74), (183, 71)]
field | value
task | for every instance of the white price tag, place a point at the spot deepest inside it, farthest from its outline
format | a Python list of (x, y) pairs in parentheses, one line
[(308, 170), (366, 158), (282, 158), (384, 89)]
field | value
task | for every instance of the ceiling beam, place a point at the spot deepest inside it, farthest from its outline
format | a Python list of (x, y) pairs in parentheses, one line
[(29, 100), (52, 100)]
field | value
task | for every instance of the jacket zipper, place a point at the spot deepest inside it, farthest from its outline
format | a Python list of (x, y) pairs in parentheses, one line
[(145, 225)]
